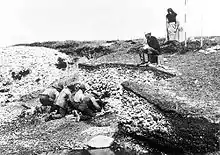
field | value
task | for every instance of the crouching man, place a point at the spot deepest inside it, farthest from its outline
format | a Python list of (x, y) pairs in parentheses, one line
[(47, 99), (62, 104), (87, 104)]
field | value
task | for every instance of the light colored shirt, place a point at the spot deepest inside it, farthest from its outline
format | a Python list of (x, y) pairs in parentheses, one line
[(63, 97), (51, 92), (79, 95), (146, 46)]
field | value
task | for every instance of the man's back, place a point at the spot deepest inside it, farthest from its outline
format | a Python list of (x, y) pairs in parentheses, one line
[(153, 42), (51, 92), (78, 96), (63, 98)]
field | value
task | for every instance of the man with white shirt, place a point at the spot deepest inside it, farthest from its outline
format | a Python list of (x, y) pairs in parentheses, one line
[(72, 98), (63, 103), (48, 97)]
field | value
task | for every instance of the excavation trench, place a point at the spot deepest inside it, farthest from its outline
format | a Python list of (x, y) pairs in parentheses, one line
[(62, 136), (191, 128)]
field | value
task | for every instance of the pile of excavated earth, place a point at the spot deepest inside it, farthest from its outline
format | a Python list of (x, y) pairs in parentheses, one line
[(27, 69), (127, 105)]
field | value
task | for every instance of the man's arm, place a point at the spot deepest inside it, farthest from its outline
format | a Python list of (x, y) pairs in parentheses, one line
[(167, 35), (95, 104), (61, 113)]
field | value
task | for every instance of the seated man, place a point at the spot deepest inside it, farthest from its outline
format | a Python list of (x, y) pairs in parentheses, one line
[(152, 49)]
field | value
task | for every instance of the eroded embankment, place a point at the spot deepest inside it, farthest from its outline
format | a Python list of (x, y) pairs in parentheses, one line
[(24, 70), (176, 125)]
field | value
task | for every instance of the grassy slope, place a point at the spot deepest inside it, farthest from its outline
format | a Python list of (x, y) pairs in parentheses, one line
[(200, 79)]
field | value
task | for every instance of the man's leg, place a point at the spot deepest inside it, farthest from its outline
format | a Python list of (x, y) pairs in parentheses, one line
[(153, 56), (149, 57), (143, 58), (87, 114)]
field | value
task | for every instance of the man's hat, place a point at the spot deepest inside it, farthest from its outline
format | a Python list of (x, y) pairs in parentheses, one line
[(149, 33)]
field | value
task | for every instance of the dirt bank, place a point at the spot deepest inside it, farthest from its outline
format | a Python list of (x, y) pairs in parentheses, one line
[(27, 69)]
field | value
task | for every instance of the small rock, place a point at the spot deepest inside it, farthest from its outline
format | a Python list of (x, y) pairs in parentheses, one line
[(100, 141)]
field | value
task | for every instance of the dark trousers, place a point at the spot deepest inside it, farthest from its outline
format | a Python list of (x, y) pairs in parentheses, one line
[(87, 109), (152, 58)]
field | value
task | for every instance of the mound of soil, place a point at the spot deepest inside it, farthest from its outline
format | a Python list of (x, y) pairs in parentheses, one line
[(28, 69)]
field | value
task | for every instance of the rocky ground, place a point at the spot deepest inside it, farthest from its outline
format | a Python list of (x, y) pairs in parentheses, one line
[(37, 68), (31, 134)]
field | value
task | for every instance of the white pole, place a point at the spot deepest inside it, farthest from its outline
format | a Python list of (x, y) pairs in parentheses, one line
[(201, 31), (185, 22)]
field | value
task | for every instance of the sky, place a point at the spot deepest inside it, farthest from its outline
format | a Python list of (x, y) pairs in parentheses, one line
[(26, 21)]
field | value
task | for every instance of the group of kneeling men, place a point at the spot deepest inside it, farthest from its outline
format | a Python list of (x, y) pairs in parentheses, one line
[(70, 99)]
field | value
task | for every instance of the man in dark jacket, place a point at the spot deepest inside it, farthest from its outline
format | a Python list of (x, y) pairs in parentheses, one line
[(152, 49)]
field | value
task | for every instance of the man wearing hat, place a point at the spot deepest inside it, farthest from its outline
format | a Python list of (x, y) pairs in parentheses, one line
[(63, 103), (48, 97), (152, 49), (73, 98), (85, 103)]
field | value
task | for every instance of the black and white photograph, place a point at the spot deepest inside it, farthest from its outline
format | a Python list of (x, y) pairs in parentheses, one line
[(109, 77)]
